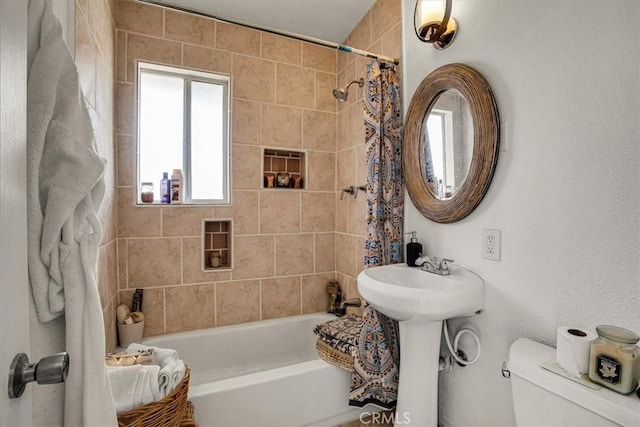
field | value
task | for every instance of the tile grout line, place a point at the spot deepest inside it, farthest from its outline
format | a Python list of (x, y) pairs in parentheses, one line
[(300, 213), (275, 82), (275, 255), (300, 293), (215, 304), (126, 260), (164, 309), (164, 23), (259, 211), (260, 299), (313, 252)]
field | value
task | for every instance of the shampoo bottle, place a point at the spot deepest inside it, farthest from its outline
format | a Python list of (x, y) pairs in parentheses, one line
[(165, 188), (414, 250), (176, 186)]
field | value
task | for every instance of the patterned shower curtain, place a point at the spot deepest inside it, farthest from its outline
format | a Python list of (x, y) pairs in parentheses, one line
[(385, 178), (376, 367)]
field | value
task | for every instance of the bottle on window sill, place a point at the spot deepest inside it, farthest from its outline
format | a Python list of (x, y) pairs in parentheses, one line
[(165, 188), (146, 192), (176, 187)]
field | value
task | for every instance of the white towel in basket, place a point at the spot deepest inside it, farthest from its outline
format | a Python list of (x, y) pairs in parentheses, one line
[(134, 386), (172, 368), (161, 356), (170, 376)]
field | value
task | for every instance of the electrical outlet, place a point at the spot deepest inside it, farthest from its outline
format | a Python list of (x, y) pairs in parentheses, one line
[(504, 133), (492, 244)]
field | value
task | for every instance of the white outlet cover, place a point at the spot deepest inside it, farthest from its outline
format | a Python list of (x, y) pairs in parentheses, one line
[(504, 128), (492, 244)]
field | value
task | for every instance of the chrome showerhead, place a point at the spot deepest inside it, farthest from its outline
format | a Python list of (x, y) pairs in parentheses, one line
[(342, 93)]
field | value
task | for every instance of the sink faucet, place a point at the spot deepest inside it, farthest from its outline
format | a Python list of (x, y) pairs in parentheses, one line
[(342, 309), (433, 265)]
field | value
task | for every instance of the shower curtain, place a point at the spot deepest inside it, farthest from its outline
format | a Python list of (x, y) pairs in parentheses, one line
[(376, 368), (385, 178)]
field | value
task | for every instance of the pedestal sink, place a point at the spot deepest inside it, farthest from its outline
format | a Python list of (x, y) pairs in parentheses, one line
[(420, 301)]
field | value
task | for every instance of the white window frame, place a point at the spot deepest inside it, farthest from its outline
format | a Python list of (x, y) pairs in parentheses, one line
[(446, 125), (190, 76)]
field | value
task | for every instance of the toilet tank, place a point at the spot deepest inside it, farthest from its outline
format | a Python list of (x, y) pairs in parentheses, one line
[(542, 398)]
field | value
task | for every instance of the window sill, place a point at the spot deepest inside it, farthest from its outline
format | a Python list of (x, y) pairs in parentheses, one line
[(181, 205)]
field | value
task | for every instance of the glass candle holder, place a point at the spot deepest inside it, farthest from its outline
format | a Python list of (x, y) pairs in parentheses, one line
[(614, 359), (146, 192)]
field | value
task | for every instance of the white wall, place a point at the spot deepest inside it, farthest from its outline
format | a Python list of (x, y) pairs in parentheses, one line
[(566, 193)]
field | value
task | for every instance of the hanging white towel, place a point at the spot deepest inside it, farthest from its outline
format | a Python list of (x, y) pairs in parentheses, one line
[(65, 188)]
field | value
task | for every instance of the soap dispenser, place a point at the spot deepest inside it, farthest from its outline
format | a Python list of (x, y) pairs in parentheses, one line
[(414, 250)]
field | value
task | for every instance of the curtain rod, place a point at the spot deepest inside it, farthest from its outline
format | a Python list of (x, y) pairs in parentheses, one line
[(302, 37)]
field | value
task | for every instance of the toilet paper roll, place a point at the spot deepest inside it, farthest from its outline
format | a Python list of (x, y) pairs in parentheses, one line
[(572, 350)]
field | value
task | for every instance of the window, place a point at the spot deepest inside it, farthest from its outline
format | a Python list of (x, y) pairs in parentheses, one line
[(439, 125), (448, 149), (183, 122)]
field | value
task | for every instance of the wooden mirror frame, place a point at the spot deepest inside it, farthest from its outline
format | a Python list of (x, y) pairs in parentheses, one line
[(486, 142)]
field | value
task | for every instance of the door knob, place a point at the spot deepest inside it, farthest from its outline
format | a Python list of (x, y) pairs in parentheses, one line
[(49, 370)]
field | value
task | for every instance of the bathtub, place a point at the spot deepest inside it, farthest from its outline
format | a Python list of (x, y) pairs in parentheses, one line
[(263, 374)]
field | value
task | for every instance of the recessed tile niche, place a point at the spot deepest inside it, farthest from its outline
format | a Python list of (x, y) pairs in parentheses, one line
[(217, 244), (284, 169)]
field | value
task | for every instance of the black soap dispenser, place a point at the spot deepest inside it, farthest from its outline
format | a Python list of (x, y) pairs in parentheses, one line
[(414, 250)]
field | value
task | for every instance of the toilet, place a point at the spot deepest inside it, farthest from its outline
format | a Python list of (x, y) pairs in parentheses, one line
[(542, 398)]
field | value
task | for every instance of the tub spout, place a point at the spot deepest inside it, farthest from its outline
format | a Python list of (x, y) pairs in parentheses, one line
[(353, 302)]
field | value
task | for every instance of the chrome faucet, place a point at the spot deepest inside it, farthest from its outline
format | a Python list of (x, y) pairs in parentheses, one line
[(433, 265), (342, 309)]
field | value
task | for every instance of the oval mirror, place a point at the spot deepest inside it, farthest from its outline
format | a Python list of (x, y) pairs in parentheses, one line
[(451, 143)]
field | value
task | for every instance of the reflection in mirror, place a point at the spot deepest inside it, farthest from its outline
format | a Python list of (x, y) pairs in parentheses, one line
[(447, 136)]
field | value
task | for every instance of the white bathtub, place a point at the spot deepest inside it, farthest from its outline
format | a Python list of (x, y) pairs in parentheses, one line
[(262, 374)]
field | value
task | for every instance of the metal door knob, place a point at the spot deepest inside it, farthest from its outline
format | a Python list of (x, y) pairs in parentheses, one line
[(49, 370)]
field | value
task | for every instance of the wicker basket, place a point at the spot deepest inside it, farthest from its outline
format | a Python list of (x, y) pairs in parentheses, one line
[(334, 356), (172, 411)]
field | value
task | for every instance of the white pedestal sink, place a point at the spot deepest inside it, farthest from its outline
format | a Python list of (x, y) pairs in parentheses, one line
[(420, 301)]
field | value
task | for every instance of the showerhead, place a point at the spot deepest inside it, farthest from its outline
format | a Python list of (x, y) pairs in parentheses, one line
[(342, 93)]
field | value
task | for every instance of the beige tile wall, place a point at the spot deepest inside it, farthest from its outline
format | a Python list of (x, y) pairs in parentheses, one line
[(95, 59), (379, 31), (284, 241)]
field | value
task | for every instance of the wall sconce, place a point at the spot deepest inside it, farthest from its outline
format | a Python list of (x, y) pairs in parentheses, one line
[(433, 23)]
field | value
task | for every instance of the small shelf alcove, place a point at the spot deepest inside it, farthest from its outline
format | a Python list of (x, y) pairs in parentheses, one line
[(217, 238), (284, 169)]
